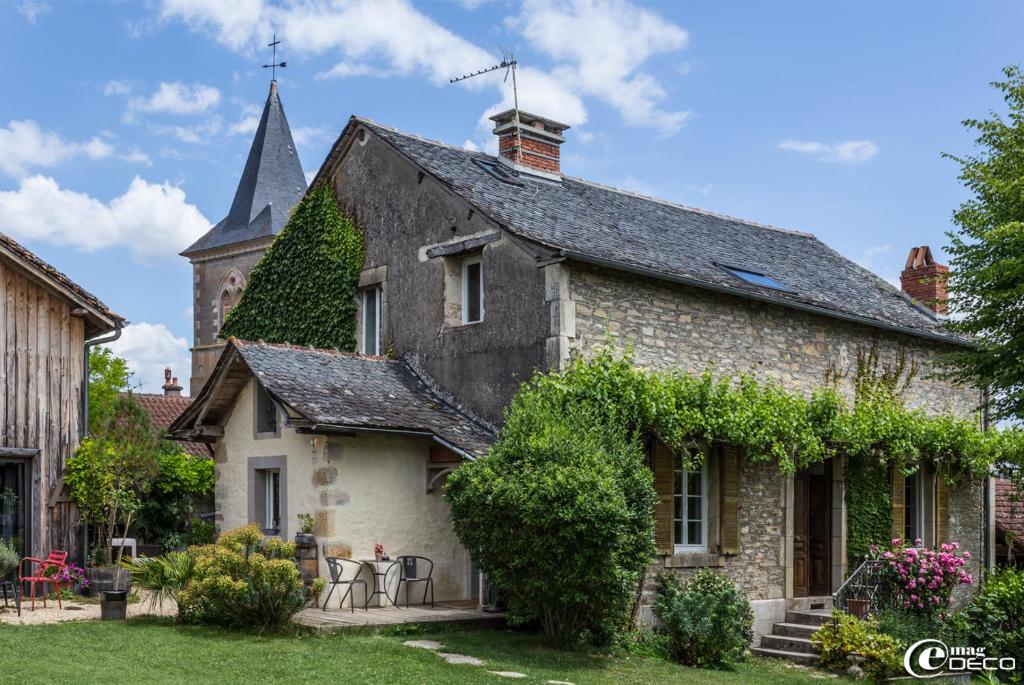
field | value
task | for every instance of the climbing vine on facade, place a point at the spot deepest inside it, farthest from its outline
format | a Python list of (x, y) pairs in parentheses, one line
[(303, 290)]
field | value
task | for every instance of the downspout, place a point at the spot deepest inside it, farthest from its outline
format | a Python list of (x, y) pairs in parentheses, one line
[(84, 428)]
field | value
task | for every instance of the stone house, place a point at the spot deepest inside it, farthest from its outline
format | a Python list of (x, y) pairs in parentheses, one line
[(481, 270), (47, 325)]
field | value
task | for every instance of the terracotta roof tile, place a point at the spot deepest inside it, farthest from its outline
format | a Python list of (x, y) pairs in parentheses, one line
[(163, 409)]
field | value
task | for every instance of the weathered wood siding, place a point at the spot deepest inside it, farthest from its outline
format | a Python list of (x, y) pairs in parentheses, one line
[(40, 402)]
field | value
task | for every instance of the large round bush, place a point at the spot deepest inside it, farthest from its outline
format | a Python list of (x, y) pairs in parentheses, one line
[(558, 515), (996, 619), (708, 621)]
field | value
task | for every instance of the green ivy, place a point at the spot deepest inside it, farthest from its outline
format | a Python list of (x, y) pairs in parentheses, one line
[(303, 290), (769, 422), (868, 506)]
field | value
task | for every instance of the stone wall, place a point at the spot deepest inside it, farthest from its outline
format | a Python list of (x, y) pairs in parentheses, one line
[(676, 326)]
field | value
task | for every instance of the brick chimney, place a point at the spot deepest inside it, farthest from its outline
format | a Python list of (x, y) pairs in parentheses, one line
[(925, 280), (541, 139), (171, 387)]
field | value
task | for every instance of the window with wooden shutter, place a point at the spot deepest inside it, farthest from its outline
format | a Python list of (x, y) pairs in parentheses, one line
[(664, 497), (729, 529), (898, 502), (941, 507)]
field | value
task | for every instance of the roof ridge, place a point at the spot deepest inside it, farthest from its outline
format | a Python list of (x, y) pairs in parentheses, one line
[(309, 348), (423, 139)]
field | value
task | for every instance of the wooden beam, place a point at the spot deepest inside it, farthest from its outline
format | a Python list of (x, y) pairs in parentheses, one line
[(19, 452)]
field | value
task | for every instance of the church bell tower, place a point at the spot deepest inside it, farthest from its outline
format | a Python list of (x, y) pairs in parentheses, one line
[(271, 183)]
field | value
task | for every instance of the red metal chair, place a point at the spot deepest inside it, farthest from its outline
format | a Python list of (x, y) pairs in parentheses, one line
[(56, 560)]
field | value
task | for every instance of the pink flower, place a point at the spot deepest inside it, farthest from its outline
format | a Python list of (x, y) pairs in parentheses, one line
[(967, 555)]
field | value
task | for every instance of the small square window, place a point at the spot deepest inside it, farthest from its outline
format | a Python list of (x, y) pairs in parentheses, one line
[(756, 278), (472, 290)]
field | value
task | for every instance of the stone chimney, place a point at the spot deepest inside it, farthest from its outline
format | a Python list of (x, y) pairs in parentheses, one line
[(925, 280), (541, 139), (171, 387)]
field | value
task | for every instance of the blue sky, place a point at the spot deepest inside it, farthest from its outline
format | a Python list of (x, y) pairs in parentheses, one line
[(125, 126)]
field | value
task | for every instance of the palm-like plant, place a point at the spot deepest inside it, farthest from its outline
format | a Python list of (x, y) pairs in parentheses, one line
[(163, 577)]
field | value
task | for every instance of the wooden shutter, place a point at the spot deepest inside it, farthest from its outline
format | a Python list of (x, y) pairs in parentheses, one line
[(941, 507), (729, 497), (899, 508), (664, 489)]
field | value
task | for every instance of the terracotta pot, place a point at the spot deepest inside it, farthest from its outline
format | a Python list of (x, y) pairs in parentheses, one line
[(858, 607), (378, 555)]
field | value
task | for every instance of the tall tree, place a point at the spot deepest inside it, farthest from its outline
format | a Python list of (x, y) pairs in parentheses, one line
[(986, 282), (303, 290)]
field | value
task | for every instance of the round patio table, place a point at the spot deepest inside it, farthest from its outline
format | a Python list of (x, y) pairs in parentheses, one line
[(379, 569)]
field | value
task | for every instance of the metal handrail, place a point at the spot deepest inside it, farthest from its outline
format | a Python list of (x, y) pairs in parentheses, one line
[(865, 587)]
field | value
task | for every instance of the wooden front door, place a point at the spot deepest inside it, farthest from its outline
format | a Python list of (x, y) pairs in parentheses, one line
[(812, 526)]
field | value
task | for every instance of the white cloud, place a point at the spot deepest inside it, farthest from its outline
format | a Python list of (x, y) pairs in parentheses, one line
[(32, 9), (150, 348), (176, 98), (310, 175), (23, 145), (117, 88), (846, 152), (308, 135), (151, 220), (600, 47), (137, 156)]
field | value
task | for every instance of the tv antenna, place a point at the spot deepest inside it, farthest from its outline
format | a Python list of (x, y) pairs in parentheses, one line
[(274, 64), (508, 63)]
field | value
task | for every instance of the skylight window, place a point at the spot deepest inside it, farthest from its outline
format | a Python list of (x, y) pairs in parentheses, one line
[(755, 278), (499, 172)]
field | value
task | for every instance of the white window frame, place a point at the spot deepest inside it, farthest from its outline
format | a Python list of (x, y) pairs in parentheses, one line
[(466, 263), (919, 503), (376, 292), (683, 530), (269, 508)]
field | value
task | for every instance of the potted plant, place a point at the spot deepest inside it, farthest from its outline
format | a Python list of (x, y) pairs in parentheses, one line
[(305, 535)]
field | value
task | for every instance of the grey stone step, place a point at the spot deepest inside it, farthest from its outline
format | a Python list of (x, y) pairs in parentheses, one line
[(785, 643), (796, 657), (794, 629), (809, 617)]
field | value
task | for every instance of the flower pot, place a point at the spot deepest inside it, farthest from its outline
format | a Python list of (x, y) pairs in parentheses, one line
[(378, 555), (114, 605), (305, 539), (858, 607)]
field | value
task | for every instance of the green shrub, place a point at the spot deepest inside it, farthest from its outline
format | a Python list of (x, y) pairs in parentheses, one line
[(846, 634), (201, 532), (708, 621), (995, 618), (247, 581), (8, 559), (559, 515), (908, 627)]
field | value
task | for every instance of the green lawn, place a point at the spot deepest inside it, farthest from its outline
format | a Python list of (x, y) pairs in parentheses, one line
[(150, 651)]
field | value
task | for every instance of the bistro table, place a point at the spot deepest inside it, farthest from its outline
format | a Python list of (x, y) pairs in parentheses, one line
[(380, 569)]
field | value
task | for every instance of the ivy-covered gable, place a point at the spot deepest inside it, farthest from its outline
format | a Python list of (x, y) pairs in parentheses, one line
[(303, 291)]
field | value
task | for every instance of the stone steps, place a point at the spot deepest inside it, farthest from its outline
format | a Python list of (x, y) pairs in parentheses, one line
[(791, 639)]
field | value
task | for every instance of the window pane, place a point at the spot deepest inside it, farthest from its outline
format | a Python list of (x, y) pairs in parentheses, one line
[(472, 292), (679, 482), (695, 483), (693, 509), (371, 321), (694, 532), (266, 412), (911, 507)]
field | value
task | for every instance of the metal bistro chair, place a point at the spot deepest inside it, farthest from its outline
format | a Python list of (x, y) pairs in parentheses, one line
[(337, 566), (56, 560), (416, 570)]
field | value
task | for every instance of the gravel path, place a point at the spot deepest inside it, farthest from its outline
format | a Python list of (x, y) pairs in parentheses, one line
[(75, 611)]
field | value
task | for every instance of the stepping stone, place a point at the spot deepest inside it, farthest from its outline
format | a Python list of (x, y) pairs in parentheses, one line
[(558, 682), (423, 644), (460, 659), (508, 674)]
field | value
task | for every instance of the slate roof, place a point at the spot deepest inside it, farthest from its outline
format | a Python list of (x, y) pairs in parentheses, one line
[(587, 221), (335, 389), (163, 409), (271, 183)]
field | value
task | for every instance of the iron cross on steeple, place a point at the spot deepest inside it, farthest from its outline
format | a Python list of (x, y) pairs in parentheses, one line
[(273, 61)]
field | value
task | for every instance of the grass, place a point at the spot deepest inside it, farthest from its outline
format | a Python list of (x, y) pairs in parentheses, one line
[(156, 651)]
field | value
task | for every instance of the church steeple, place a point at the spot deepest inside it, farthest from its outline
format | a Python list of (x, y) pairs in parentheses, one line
[(271, 183)]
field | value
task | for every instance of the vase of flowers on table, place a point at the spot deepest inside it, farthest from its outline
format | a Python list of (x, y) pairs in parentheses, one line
[(378, 551)]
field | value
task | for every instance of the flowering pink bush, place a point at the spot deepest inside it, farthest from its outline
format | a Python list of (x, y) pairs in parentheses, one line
[(923, 579), (71, 576)]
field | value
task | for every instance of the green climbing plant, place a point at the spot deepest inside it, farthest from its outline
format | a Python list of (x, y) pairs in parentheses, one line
[(303, 290)]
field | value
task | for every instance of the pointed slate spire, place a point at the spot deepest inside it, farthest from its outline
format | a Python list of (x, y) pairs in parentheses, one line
[(272, 182)]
